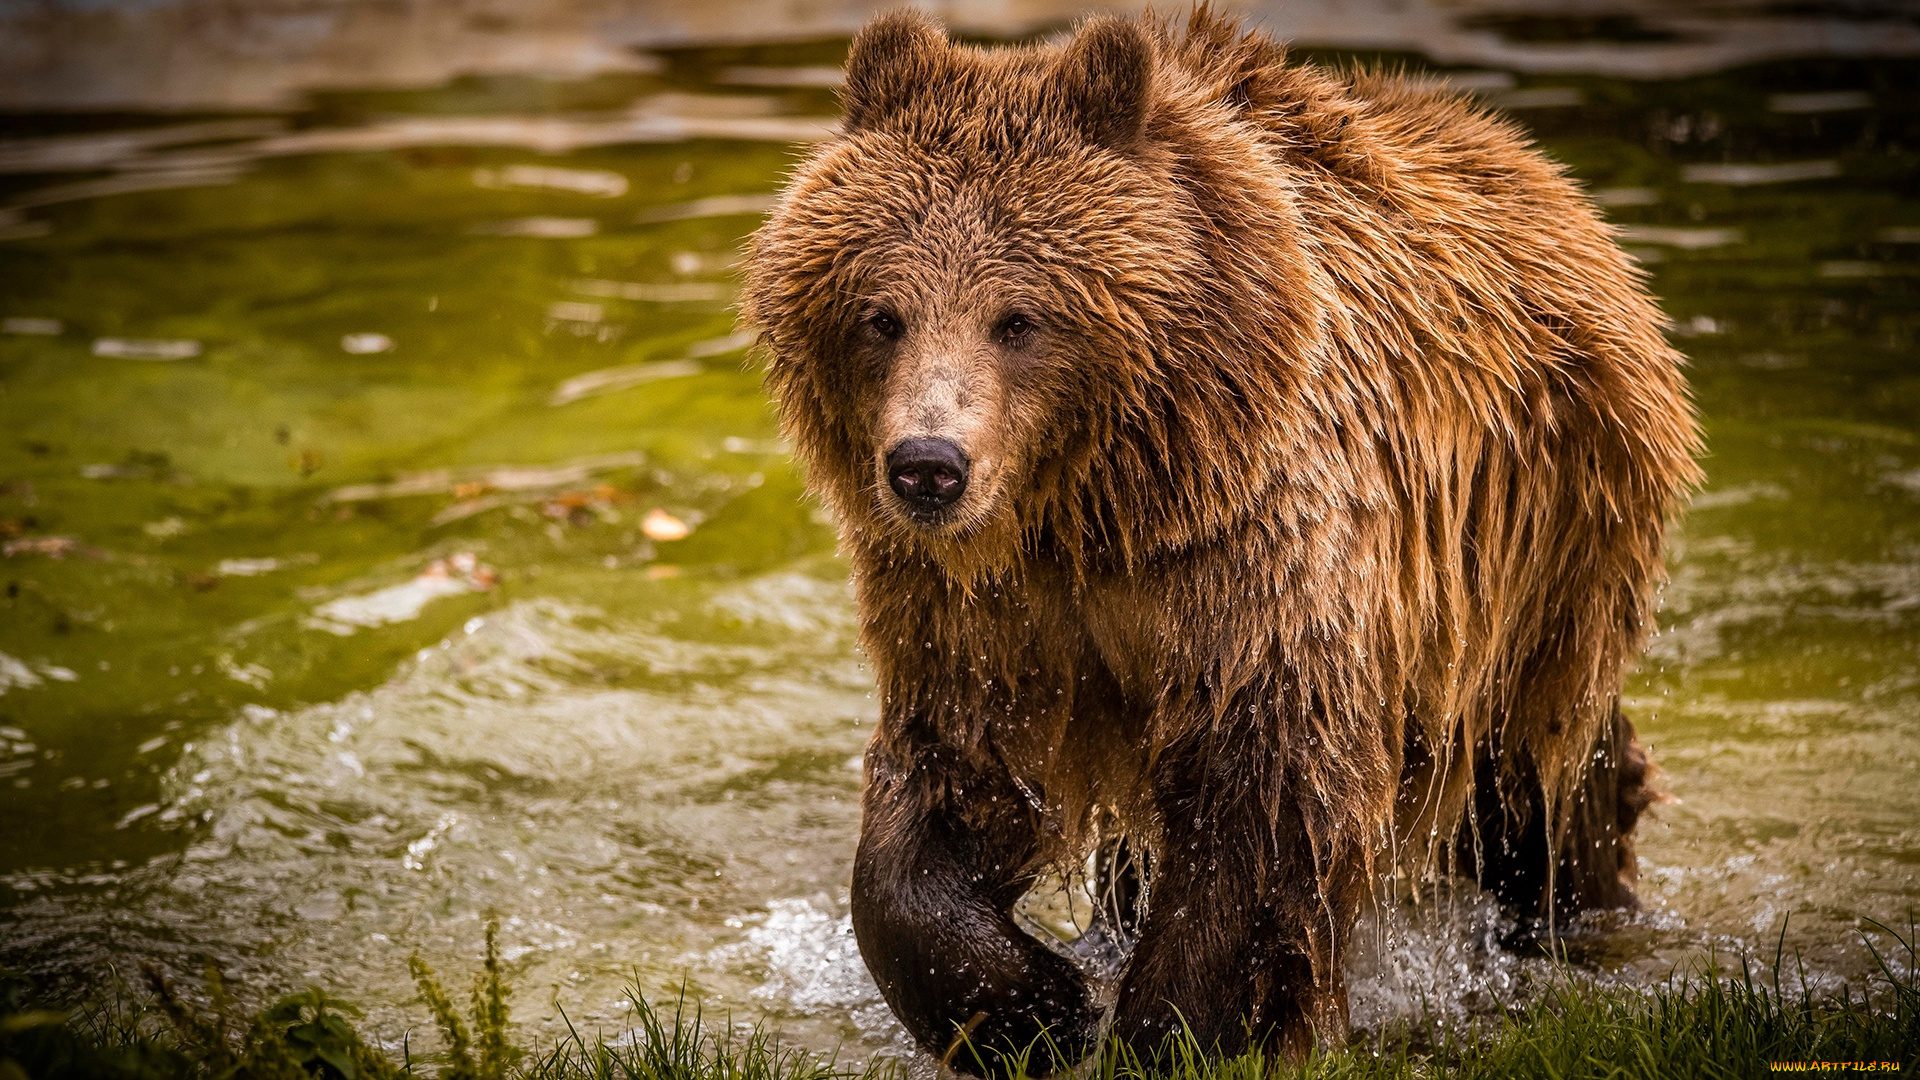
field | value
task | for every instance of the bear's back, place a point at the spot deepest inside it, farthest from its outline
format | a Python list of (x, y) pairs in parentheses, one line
[(1468, 271)]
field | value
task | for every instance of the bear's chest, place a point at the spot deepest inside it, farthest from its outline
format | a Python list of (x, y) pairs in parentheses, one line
[(1129, 633)]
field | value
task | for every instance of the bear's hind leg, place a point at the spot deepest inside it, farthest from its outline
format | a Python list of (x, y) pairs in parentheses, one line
[(1595, 867), (1598, 865)]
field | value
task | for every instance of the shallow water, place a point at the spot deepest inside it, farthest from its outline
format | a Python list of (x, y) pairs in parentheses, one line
[(396, 534)]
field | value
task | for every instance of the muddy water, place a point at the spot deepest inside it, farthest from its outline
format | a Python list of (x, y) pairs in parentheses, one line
[(396, 535)]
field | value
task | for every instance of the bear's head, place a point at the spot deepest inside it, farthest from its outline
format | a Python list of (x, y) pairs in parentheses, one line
[(1002, 306)]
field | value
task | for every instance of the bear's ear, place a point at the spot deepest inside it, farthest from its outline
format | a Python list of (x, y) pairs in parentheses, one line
[(892, 58), (1108, 77)]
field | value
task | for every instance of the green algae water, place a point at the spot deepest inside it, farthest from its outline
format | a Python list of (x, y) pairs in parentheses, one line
[(396, 535)]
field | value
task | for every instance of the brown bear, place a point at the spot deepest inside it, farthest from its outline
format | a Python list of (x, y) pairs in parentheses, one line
[(1263, 463)]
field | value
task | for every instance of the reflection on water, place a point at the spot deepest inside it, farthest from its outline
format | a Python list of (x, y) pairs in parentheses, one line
[(395, 533), (267, 54)]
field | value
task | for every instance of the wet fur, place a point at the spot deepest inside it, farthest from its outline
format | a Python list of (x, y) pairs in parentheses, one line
[(1312, 540)]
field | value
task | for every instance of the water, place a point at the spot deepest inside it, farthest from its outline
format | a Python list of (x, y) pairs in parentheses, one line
[(397, 535)]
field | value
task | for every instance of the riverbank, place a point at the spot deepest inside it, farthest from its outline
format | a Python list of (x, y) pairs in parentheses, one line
[(1742, 1019)]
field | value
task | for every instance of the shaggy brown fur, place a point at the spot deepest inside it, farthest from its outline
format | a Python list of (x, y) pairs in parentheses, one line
[(1319, 445)]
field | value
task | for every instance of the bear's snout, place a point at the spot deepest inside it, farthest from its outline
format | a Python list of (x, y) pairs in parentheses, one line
[(929, 475)]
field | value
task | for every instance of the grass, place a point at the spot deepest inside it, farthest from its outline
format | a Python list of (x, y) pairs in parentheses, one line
[(1709, 1023)]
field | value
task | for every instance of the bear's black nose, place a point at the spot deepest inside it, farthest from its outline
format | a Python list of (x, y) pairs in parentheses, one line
[(929, 474)]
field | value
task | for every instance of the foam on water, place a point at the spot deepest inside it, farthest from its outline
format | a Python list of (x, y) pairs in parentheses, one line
[(614, 792)]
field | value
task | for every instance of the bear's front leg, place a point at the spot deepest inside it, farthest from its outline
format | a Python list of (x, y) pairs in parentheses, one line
[(1245, 925), (946, 848)]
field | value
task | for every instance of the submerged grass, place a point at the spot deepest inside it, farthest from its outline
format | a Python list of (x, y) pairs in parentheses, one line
[(1709, 1023)]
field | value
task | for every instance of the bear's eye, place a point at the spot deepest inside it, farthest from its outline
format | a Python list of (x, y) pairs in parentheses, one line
[(1014, 329), (883, 323)]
